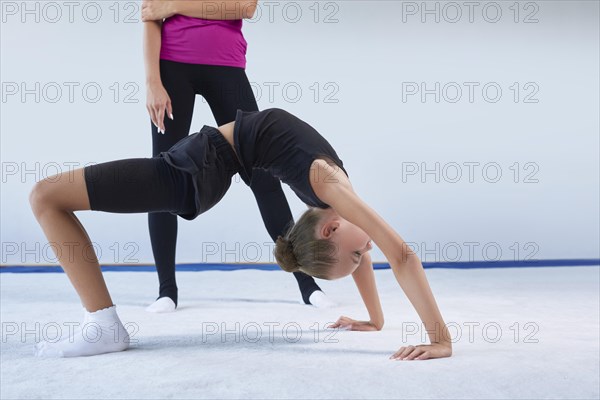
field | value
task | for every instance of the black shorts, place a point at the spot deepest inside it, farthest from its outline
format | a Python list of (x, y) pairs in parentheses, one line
[(139, 185), (187, 180)]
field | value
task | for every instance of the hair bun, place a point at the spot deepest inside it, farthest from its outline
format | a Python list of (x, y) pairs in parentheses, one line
[(284, 254)]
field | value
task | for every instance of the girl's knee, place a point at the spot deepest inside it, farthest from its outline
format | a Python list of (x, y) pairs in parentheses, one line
[(40, 197)]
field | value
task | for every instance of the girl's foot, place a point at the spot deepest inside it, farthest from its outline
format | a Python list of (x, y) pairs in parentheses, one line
[(101, 332)]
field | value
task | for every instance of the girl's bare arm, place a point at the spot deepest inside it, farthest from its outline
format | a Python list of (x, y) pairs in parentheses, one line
[(405, 264), (365, 282)]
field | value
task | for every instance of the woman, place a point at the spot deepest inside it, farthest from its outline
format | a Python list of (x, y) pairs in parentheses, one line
[(199, 49), (330, 240)]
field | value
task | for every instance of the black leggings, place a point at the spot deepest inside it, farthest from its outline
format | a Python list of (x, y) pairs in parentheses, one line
[(226, 89)]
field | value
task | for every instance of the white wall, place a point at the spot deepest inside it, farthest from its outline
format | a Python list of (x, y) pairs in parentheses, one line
[(371, 53)]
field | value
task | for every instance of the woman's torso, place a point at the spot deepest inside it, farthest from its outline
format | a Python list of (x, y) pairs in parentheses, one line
[(201, 41)]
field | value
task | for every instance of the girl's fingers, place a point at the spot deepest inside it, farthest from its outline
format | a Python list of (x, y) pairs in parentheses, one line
[(416, 352), (336, 324), (407, 351), (396, 354), (411, 353), (342, 322), (403, 352)]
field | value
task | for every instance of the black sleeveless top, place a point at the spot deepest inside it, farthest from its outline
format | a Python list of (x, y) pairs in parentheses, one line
[(284, 145)]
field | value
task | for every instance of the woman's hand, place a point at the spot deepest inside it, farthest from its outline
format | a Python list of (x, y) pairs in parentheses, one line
[(154, 10), (157, 102), (423, 352), (353, 325)]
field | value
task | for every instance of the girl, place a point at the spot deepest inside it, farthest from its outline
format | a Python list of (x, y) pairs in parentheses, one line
[(331, 240), (199, 48)]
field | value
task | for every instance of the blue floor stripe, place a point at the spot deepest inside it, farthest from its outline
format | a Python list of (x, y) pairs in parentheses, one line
[(274, 267)]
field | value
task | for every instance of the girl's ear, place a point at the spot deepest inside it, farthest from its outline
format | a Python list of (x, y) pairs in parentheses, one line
[(329, 228)]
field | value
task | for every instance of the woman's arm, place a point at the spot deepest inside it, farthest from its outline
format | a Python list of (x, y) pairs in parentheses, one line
[(365, 282), (206, 9), (157, 98), (405, 264), (152, 43)]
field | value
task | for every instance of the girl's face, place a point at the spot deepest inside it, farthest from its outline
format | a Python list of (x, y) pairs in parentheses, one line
[(351, 241)]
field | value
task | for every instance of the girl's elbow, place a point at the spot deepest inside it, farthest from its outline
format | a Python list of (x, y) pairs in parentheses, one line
[(406, 260)]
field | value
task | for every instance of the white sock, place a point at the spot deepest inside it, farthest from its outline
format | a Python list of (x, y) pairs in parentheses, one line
[(162, 305), (320, 300), (101, 332)]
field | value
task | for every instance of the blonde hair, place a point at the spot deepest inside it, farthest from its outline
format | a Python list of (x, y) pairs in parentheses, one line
[(301, 251)]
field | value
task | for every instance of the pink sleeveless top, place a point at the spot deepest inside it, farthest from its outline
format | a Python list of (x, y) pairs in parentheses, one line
[(202, 41)]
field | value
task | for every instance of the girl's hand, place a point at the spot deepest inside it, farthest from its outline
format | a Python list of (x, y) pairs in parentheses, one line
[(154, 10), (353, 325), (157, 102), (423, 352)]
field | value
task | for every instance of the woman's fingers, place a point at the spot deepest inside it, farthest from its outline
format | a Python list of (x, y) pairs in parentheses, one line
[(152, 115), (170, 109), (160, 116), (155, 10), (145, 11), (158, 103)]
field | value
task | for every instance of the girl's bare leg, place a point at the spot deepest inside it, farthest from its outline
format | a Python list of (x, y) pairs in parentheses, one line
[(53, 201)]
